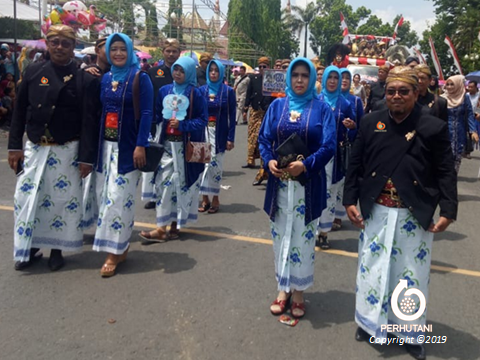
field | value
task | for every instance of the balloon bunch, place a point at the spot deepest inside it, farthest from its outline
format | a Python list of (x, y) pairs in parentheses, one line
[(76, 15)]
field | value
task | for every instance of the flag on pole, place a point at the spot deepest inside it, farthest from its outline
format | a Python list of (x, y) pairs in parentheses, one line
[(419, 55), (436, 62), (400, 22), (344, 27), (452, 51)]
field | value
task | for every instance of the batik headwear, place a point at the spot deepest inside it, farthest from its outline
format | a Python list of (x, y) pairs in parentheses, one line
[(331, 97), (403, 73), (385, 68), (100, 42), (121, 73), (456, 95), (345, 93), (205, 57), (278, 62), (286, 61), (188, 66), (423, 68), (214, 87), (264, 60), (61, 30), (298, 102), (171, 43)]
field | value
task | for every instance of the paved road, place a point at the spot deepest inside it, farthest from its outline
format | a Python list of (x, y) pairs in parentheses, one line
[(206, 296)]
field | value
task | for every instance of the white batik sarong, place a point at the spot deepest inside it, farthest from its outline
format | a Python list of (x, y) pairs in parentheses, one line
[(116, 203), (90, 207), (174, 199), (212, 175), (392, 247), (48, 200), (334, 209), (293, 242), (148, 179)]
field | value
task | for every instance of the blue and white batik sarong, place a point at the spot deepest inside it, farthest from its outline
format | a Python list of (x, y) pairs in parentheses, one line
[(175, 201), (48, 200), (293, 242), (148, 179), (334, 209), (393, 246), (90, 207), (116, 203), (212, 175)]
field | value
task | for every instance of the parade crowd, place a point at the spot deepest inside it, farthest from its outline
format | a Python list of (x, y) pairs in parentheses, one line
[(330, 150)]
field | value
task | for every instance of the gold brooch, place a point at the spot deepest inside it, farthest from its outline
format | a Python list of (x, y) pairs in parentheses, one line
[(114, 86), (431, 104), (67, 78), (409, 136), (294, 115)]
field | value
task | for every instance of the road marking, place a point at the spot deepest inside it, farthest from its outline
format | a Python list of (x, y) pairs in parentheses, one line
[(443, 269), (4, 160)]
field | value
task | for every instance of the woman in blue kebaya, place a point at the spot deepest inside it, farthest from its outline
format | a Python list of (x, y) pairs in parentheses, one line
[(292, 207), (346, 130), (221, 103), (121, 150), (355, 101), (182, 112)]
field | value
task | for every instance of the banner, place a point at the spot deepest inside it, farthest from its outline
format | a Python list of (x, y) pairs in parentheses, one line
[(436, 62), (451, 50)]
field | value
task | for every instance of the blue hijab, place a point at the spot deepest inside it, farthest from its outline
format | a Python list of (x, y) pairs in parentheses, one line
[(121, 73), (345, 71), (188, 66), (298, 102), (331, 97), (214, 87)]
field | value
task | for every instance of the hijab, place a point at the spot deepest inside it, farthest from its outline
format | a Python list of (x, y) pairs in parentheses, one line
[(434, 88), (188, 66), (121, 73), (455, 97), (298, 102), (214, 87), (345, 93), (331, 97)]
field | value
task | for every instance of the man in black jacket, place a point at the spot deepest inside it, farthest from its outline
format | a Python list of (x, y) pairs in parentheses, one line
[(436, 104), (259, 105), (57, 105), (377, 89), (401, 168)]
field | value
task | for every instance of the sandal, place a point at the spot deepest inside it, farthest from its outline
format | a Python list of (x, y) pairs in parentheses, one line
[(213, 209), (300, 307), (173, 234), (337, 225), (322, 242), (283, 304), (108, 270), (155, 236), (204, 207)]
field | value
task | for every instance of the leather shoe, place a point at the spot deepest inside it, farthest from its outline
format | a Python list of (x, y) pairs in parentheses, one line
[(417, 351), (56, 261), (361, 335), (248, 166), (150, 205), (34, 257), (257, 182)]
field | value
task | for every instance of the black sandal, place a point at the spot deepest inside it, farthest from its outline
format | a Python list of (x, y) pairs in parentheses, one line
[(322, 242), (204, 207)]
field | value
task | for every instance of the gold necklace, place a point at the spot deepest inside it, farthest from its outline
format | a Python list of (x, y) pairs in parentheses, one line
[(114, 86)]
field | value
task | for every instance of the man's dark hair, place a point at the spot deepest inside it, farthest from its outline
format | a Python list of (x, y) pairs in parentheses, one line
[(7, 91), (411, 59), (473, 82), (243, 68), (144, 60)]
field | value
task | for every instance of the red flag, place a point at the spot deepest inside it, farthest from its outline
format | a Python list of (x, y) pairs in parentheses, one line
[(400, 22), (452, 51), (419, 55), (344, 27), (436, 62)]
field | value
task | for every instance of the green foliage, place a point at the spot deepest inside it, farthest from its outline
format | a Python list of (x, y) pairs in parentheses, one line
[(25, 29), (173, 27), (301, 18)]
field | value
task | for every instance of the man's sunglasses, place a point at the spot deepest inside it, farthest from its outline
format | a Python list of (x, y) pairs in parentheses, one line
[(401, 92), (262, 66), (66, 44), (284, 67)]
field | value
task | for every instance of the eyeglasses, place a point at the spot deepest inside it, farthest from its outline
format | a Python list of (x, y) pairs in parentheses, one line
[(284, 67), (262, 66), (66, 44), (401, 92)]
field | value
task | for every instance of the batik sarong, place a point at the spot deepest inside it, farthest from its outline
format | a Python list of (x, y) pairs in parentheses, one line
[(334, 209), (148, 179), (48, 200), (116, 203), (392, 247), (174, 199), (293, 242), (90, 207), (254, 123), (212, 175)]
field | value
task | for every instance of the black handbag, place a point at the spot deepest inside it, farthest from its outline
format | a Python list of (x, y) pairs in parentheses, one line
[(345, 154), (292, 149), (154, 151)]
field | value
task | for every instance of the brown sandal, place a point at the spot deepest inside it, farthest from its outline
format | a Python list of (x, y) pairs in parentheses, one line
[(155, 236), (108, 270), (282, 304)]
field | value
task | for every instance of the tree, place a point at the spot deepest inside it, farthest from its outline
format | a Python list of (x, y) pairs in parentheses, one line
[(301, 20), (173, 27), (25, 29), (375, 26)]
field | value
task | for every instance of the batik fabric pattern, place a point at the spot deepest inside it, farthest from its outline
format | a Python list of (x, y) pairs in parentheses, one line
[(48, 200), (254, 124), (393, 246), (212, 176)]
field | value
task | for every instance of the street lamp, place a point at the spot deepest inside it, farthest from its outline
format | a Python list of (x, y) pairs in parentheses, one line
[(473, 58), (173, 17)]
